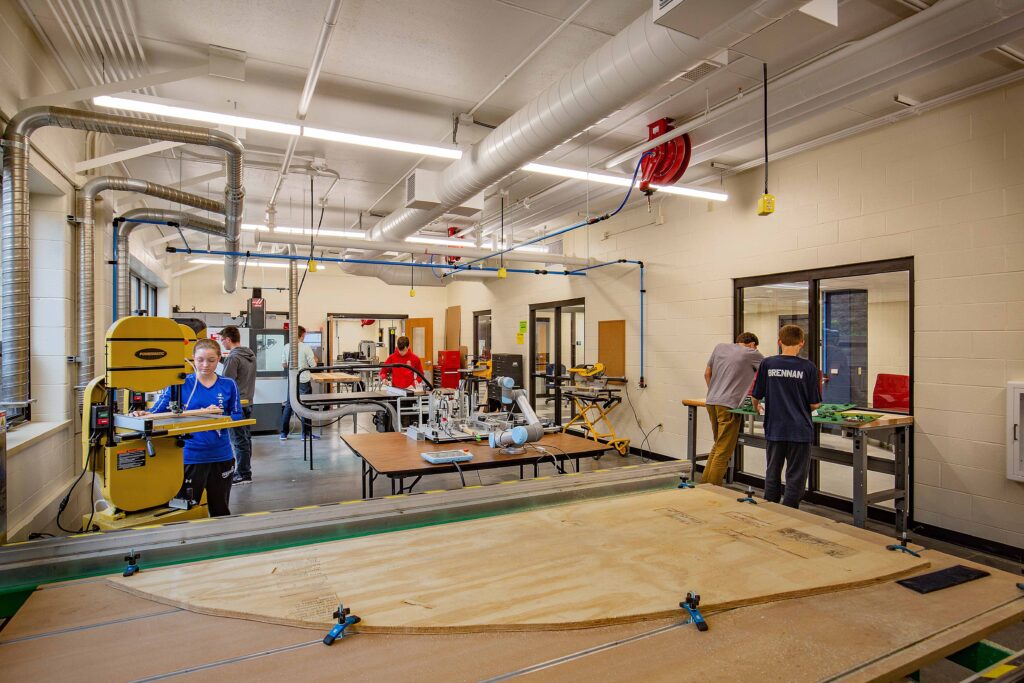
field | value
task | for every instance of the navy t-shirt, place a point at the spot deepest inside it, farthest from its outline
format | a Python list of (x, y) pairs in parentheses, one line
[(788, 385)]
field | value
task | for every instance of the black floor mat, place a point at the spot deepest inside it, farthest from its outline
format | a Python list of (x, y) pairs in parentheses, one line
[(944, 578)]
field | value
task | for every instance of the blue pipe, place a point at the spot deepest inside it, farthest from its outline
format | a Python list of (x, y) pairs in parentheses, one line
[(372, 262), (589, 221), (602, 265)]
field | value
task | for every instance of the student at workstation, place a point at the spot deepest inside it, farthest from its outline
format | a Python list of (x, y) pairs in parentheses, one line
[(400, 377), (209, 462), (307, 359), (791, 389), (240, 365), (730, 371)]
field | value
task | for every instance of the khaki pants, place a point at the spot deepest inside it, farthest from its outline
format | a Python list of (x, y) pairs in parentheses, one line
[(725, 427)]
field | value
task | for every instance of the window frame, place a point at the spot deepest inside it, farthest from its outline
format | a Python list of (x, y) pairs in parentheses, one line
[(813, 278)]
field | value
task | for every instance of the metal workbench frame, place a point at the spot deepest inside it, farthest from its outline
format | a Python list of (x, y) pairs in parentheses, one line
[(858, 460)]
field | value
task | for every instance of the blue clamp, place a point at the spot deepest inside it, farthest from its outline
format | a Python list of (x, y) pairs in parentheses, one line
[(902, 546), (684, 482), (690, 605), (749, 498), (132, 558), (345, 619)]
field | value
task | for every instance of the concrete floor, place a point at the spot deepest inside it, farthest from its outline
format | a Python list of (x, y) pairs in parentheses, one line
[(281, 479)]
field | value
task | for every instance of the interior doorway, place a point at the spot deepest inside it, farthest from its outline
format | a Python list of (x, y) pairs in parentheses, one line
[(557, 343)]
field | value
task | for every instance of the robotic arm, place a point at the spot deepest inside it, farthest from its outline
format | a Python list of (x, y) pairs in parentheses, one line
[(511, 441)]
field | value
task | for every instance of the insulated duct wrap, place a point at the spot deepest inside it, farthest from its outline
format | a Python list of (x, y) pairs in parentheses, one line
[(638, 59), (14, 386)]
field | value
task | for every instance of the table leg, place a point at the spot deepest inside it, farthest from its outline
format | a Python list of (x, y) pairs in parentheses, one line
[(520, 471), (691, 439), (364, 475), (902, 479), (860, 479), (355, 423), (536, 470)]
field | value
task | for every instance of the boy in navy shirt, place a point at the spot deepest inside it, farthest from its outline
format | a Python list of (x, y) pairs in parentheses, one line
[(209, 462), (790, 388)]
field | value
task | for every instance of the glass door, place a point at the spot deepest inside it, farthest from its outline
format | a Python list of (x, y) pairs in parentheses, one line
[(556, 344)]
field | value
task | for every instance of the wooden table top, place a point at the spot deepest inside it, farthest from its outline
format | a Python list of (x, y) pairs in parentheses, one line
[(394, 453), (886, 420), (325, 377)]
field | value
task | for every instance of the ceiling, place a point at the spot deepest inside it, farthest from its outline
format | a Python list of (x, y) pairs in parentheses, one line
[(403, 68)]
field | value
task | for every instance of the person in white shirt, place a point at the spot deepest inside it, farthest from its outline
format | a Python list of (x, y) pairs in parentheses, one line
[(306, 360)]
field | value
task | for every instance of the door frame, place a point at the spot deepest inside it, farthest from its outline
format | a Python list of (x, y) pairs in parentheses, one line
[(557, 350)]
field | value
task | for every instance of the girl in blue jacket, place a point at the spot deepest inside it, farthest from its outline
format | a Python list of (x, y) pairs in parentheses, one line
[(209, 462)]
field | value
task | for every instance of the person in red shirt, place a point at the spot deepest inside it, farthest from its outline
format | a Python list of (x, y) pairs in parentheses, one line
[(400, 377)]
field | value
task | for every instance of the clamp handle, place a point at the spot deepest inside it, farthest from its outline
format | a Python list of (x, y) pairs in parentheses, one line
[(345, 619), (690, 605), (132, 560), (749, 497), (684, 482)]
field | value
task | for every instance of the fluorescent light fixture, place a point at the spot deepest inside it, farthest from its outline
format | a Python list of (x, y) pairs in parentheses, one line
[(382, 143), (220, 262), (323, 232), (622, 181), (254, 227), (157, 109)]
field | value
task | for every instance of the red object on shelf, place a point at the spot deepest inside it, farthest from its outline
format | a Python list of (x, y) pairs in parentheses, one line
[(366, 323), (448, 364), (666, 163), (892, 392)]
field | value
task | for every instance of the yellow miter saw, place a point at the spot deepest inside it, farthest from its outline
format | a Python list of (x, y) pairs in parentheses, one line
[(137, 462), (594, 399)]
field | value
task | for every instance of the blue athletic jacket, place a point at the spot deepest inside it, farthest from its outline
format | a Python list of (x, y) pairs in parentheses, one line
[(212, 446)]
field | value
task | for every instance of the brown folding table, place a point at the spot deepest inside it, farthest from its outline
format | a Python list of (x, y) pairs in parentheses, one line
[(397, 457)]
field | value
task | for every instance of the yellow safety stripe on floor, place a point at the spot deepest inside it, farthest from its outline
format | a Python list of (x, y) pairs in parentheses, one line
[(998, 671)]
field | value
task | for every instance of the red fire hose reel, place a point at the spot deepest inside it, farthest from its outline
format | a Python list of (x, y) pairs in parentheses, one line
[(666, 163), (451, 260)]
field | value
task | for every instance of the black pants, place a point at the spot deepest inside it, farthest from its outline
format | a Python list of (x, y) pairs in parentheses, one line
[(241, 444), (215, 479), (797, 459)]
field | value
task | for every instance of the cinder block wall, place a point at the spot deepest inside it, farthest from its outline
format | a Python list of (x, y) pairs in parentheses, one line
[(946, 188)]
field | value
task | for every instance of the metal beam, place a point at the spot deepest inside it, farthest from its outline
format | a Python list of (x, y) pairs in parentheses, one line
[(112, 88), (127, 154)]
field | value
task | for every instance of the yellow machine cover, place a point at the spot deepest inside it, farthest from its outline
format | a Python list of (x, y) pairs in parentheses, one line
[(145, 353)]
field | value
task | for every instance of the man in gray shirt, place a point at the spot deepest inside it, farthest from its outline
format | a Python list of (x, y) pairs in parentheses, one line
[(729, 374), (240, 365)]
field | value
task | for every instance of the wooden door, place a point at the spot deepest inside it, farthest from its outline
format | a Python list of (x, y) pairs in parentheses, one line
[(611, 346), (420, 332)]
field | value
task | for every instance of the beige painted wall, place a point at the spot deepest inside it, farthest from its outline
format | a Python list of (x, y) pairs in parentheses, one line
[(946, 188)]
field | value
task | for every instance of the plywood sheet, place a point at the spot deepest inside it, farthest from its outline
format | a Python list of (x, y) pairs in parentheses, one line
[(592, 563), (452, 328), (611, 346)]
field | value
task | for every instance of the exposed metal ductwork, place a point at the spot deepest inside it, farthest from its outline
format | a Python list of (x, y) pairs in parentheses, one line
[(132, 219), (86, 239), (638, 59), (14, 386), (427, 250), (944, 32)]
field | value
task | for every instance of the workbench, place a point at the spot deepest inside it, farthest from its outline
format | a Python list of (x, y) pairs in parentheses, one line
[(397, 457), (880, 632), (895, 428)]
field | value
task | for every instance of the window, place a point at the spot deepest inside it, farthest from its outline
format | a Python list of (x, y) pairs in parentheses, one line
[(142, 296), (858, 320)]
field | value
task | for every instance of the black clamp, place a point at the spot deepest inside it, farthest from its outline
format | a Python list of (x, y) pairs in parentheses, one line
[(684, 482), (345, 619), (749, 498), (132, 560), (902, 546), (690, 605)]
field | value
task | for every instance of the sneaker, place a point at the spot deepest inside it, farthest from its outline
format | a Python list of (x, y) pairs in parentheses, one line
[(239, 479), (283, 437), (316, 436)]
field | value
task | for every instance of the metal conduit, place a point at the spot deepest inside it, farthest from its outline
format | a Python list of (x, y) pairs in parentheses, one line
[(14, 202)]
